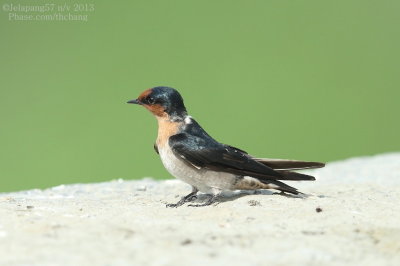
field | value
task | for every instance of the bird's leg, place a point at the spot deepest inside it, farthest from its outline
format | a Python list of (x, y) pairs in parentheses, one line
[(188, 198), (212, 199)]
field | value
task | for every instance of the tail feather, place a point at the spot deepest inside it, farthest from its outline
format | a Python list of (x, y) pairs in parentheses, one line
[(280, 186), (287, 175), (252, 183), (280, 164), (284, 167)]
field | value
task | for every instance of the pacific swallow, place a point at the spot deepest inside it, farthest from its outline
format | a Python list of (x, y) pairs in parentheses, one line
[(193, 156)]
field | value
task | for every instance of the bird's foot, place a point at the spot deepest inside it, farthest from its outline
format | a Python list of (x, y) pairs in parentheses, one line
[(188, 198), (211, 200), (282, 193)]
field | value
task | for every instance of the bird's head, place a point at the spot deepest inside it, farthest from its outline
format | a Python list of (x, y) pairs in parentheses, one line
[(163, 102)]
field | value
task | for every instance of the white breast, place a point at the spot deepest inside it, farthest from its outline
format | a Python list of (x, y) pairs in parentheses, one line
[(205, 180)]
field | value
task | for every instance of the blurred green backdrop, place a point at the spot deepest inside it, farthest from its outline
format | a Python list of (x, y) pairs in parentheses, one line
[(313, 80)]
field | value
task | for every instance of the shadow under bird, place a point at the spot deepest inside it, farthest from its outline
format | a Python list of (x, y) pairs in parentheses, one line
[(193, 156)]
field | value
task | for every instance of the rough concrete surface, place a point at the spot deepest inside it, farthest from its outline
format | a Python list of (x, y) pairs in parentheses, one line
[(351, 216)]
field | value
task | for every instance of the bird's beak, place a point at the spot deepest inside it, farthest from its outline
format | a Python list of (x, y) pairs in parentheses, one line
[(136, 101)]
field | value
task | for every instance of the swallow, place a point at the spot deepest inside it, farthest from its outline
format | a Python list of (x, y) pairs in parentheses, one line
[(190, 154)]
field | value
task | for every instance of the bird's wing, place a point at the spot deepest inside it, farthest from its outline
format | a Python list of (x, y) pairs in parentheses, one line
[(207, 153)]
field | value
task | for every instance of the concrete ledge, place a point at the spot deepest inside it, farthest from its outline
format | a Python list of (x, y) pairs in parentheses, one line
[(352, 216)]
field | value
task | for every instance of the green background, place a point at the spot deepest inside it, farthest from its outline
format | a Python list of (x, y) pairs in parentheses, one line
[(312, 80)]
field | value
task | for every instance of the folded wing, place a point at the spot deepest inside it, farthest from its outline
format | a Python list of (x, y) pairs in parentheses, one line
[(210, 154)]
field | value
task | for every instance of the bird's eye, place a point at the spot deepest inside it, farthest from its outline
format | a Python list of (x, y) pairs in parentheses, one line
[(151, 100)]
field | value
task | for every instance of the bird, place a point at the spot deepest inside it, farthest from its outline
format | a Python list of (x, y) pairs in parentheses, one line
[(191, 155)]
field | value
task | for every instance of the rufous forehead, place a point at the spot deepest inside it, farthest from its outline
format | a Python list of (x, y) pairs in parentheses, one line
[(144, 94)]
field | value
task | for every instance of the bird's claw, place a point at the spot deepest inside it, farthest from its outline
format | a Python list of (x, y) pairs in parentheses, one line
[(210, 201), (187, 198), (171, 205)]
